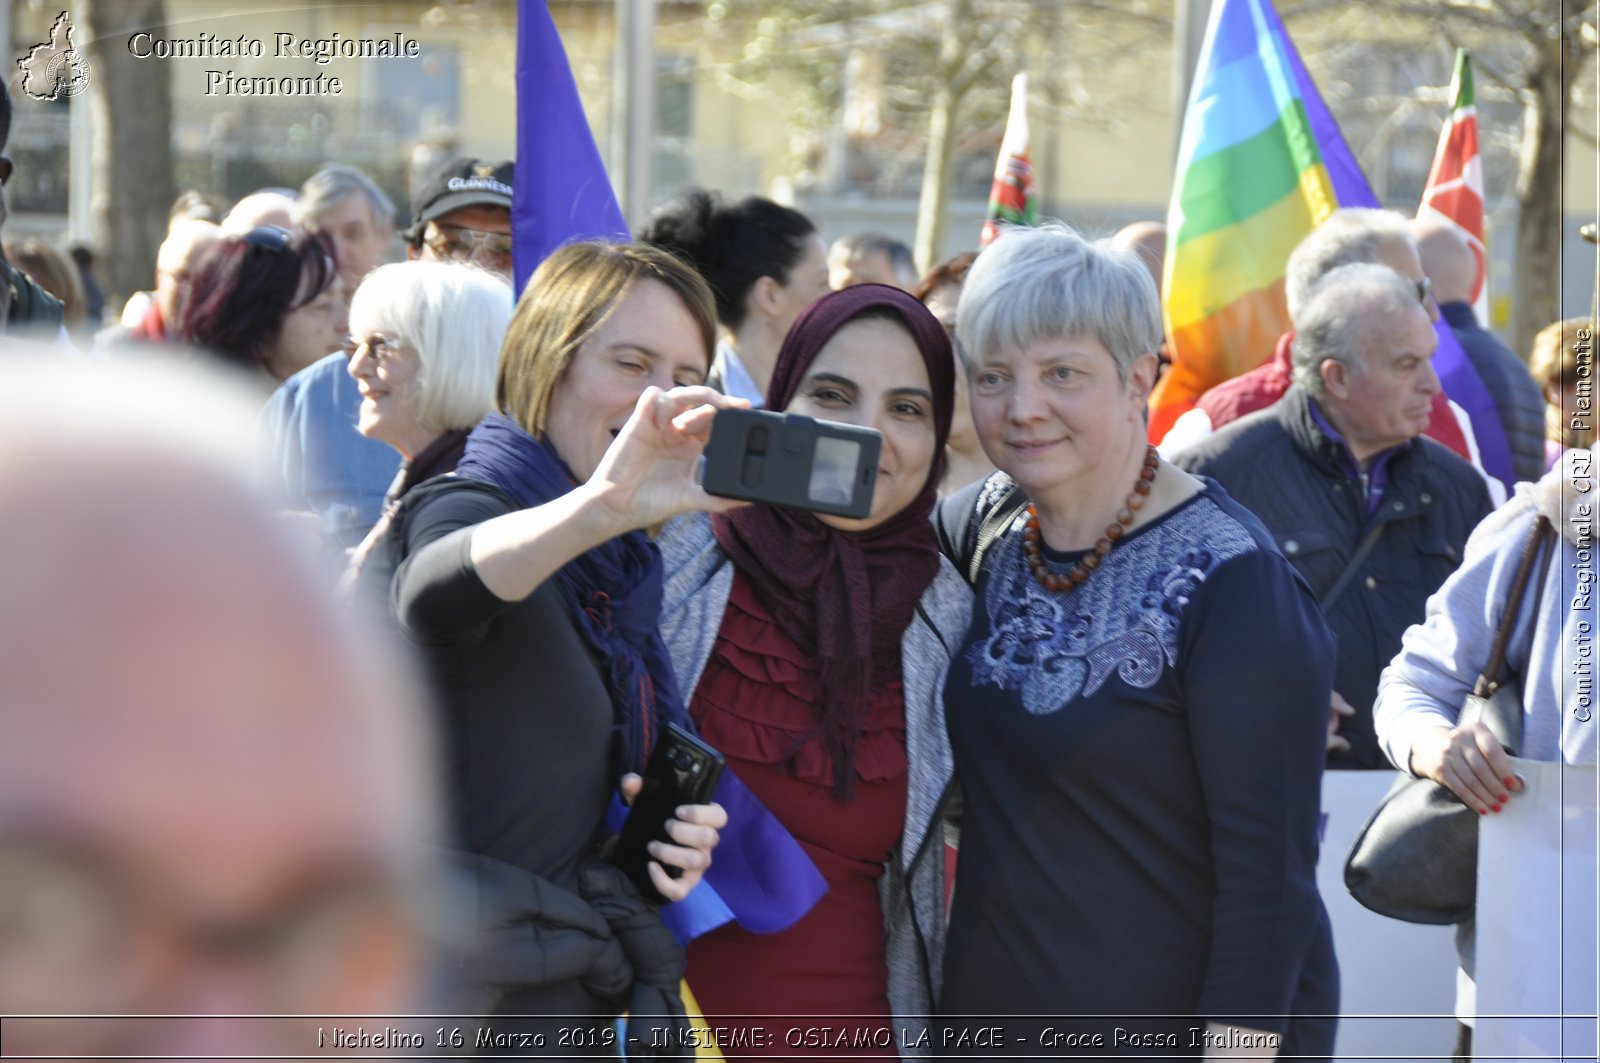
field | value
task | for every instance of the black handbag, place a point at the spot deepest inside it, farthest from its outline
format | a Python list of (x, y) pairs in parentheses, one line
[(1416, 859)]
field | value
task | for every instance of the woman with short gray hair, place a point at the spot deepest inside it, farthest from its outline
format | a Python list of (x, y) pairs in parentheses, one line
[(1138, 716)]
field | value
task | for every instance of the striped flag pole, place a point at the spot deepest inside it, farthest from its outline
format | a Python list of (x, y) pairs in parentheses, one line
[(1454, 192), (1012, 200)]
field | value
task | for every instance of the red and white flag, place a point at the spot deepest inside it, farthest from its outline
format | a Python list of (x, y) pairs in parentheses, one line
[(1012, 200), (1455, 184)]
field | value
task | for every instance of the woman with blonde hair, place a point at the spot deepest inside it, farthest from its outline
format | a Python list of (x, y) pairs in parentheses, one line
[(534, 597), (1562, 364)]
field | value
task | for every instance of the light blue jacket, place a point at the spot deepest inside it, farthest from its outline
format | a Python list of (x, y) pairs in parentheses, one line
[(1553, 653), (1440, 658), (316, 459)]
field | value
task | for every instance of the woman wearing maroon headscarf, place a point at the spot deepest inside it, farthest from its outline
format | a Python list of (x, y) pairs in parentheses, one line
[(812, 650)]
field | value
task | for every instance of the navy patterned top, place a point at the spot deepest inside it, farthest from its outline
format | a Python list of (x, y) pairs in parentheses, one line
[(1141, 760)]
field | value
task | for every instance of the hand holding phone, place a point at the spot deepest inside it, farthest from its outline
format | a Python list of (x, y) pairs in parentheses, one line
[(683, 770)]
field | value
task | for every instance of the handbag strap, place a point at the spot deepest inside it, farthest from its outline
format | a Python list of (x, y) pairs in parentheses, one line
[(1487, 682), (1349, 573)]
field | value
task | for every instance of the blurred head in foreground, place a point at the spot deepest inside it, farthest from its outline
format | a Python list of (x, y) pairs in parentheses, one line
[(212, 786)]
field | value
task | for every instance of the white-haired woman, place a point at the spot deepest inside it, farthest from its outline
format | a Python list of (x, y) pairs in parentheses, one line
[(1138, 716), (426, 351)]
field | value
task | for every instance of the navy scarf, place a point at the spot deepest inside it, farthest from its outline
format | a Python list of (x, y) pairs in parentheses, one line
[(613, 591)]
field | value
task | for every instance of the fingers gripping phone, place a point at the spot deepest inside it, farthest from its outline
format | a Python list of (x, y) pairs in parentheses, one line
[(683, 770), (788, 459)]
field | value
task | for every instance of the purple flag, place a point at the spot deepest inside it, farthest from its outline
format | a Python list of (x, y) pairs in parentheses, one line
[(561, 192)]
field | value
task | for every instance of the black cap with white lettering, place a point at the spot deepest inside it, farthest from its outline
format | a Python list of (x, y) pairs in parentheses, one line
[(461, 182)]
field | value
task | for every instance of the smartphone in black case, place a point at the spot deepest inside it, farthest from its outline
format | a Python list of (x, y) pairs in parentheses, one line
[(683, 770), (789, 459)]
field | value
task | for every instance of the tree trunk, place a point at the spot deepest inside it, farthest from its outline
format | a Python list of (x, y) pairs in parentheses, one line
[(937, 166), (131, 104), (936, 176), (1536, 289)]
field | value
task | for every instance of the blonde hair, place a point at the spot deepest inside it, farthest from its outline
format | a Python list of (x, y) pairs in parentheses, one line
[(1554, 364), (569, 297)]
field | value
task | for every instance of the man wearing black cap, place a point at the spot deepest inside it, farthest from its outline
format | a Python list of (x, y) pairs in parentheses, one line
[(464, 213), (308, 429)]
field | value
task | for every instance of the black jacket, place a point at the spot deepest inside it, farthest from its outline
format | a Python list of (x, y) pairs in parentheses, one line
[(1516, 397), (28, 309), (566, 961), (1281, 466)]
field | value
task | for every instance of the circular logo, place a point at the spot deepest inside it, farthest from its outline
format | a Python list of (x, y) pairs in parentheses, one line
[(67, 74)]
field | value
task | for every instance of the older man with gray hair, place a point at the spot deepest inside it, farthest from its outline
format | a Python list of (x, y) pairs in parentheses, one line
[(347, 207), (1372, 514), (871, 258), (1349, 235)]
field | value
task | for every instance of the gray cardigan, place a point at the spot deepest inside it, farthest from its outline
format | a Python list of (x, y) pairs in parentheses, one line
[(699, 579)]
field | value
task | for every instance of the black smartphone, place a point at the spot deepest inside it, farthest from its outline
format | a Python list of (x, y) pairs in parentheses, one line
[(683, 770), (788, 459)]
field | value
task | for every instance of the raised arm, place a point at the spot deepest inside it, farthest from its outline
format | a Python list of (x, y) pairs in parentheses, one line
[(649, 474)]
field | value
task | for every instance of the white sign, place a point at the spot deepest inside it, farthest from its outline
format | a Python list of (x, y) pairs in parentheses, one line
[(1537, 899)]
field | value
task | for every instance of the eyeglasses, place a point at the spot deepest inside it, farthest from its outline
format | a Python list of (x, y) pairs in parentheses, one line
[(1424, 288), (380, 347), (268, 238), (454, 241)]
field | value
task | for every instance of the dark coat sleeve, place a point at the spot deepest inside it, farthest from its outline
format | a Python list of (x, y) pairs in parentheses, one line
[(1256, 661)]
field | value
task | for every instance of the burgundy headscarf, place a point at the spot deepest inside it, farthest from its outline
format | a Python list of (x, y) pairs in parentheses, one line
[(846, 598)]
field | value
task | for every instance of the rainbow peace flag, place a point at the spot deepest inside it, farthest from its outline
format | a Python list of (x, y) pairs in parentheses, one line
[(1260, 164)]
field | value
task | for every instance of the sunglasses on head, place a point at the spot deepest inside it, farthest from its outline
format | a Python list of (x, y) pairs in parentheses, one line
[(1424, 287), (268, 237)]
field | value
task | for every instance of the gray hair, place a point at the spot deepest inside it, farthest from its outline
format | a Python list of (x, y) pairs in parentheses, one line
[(1047, 283), (1353, 234), (332, 185), (859, 245), (1345, 310), (455, 317)]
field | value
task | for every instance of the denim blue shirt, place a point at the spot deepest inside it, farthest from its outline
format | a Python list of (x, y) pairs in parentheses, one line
[(315, 457)]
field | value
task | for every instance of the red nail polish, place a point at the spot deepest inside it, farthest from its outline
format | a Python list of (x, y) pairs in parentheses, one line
[(1483, 811), (1497, 808), (1511, 780), (1504, 798)]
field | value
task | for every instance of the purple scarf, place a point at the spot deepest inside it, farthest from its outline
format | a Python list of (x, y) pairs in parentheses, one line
[(613, 591)]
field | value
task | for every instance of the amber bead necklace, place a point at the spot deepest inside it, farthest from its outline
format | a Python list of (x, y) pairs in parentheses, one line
[(1033, 539)]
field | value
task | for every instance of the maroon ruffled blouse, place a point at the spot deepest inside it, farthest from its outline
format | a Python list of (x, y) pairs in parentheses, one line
[(756, 702)]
